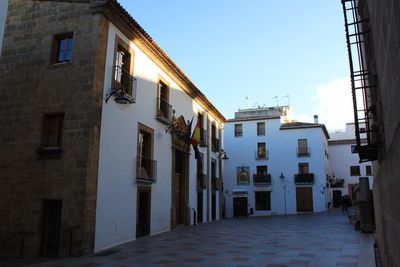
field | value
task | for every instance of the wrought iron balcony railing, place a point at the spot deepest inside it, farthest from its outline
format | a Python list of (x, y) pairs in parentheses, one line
[(304, 178), (164, 111), (303, 151), (123, 85), (146, 170), (203, 137), (262, 179), (201, 181), (261, 154)]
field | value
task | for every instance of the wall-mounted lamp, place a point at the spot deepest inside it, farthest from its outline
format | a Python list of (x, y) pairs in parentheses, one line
[(223, 155), (121, 98), (282, 177)]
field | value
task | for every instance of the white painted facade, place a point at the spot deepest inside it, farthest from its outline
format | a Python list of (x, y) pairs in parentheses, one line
[(117, 188), (3, 16), (341, 158), (281, 145)]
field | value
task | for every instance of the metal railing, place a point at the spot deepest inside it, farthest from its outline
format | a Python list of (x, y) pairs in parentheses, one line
[(214, 183), (261, 154), (303, 151), (304, 178), (146, 170), (164, 111), (262, 179), (123, 85), (201, 181), (203, 137), (22, 234)]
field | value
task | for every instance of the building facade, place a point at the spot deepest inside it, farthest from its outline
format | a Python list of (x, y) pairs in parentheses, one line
[(275, 166), (96, 133), (372, 32), (345, 166)]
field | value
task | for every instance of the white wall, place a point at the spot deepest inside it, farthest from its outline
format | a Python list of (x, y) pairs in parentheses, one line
[(282, 150), (3, 16), (117, 189)]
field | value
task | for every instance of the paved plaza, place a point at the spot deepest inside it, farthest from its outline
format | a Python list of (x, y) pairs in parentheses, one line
[(325, 239)]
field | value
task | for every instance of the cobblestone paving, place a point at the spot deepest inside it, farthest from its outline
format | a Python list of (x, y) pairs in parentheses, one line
[(325, 239)]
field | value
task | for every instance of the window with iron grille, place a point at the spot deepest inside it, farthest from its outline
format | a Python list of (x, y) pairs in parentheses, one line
[(238, 130), (354, 170), (303, 168), (260, 128)]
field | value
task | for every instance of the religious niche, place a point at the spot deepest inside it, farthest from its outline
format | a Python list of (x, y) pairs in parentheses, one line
[(243, 175)]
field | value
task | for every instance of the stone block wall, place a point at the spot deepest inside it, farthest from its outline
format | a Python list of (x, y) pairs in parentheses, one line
[(32, 86), (385, 36)]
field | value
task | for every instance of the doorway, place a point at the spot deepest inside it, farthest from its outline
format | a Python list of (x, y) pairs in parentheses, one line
[(337, 198), (304, 199), (143, 211), (200, 206), (51, 227), (240, 207), (179, 189)]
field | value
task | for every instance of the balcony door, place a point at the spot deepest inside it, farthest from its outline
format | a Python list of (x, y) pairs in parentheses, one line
[(304, 199), (179, 188)]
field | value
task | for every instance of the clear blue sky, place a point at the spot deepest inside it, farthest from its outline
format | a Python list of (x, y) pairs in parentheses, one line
[(233, 49)]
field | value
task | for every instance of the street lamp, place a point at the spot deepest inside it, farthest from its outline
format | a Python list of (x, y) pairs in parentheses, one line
[(282, 177)]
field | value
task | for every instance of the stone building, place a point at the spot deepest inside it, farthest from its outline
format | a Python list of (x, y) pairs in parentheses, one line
[(373, 34), (95, 132), (275, 165)]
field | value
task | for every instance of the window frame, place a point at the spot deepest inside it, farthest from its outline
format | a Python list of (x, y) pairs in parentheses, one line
[(355, 167), (259, 145), (46, 128), (303, 164), (265, 205), (56, 48), (238, 133), (368, 170), (261, 131)]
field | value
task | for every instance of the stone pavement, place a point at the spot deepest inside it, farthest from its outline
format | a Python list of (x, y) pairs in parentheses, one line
[(324, 239)]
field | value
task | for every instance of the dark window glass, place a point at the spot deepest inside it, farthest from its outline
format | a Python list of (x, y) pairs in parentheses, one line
[(368, 170), (303, 168), (263, 200), (238, 129), (52, 130), (354, 170), (260, 128)]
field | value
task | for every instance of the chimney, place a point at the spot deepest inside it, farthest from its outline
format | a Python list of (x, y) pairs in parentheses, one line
[(315, 118)]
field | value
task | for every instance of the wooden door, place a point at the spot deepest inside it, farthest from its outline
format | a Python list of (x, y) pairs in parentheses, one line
[(51, 227), (213, 207), (304, 199), (240, 207), (143, 212), (178, 200)]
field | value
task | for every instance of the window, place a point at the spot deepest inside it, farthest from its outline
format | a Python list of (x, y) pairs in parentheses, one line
[(214, 139), (201, 177), (260, 128), (62, 48), (303, 168), (122, 74), (302, 149), (353, 149), (214, 178), (52, 130), (146, 166), (164, 109), (238, 130), (263, 200), (203, 132), (354, 170), (368, 170), (262, 170), (261, 151)]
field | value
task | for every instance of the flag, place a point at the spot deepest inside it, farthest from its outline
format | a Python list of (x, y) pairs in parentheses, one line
[(195, 140)]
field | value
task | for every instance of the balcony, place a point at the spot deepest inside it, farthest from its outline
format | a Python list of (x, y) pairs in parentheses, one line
[(215, 184), (164, 111), (203, 137), (201, 181), (261, 154), (123, 85), (303, 151), (304, 178), (146, 170), (215, 144), (262, 179)]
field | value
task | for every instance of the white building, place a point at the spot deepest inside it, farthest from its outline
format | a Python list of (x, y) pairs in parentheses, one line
[(345, 168), (275, 166), (167, 186)]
